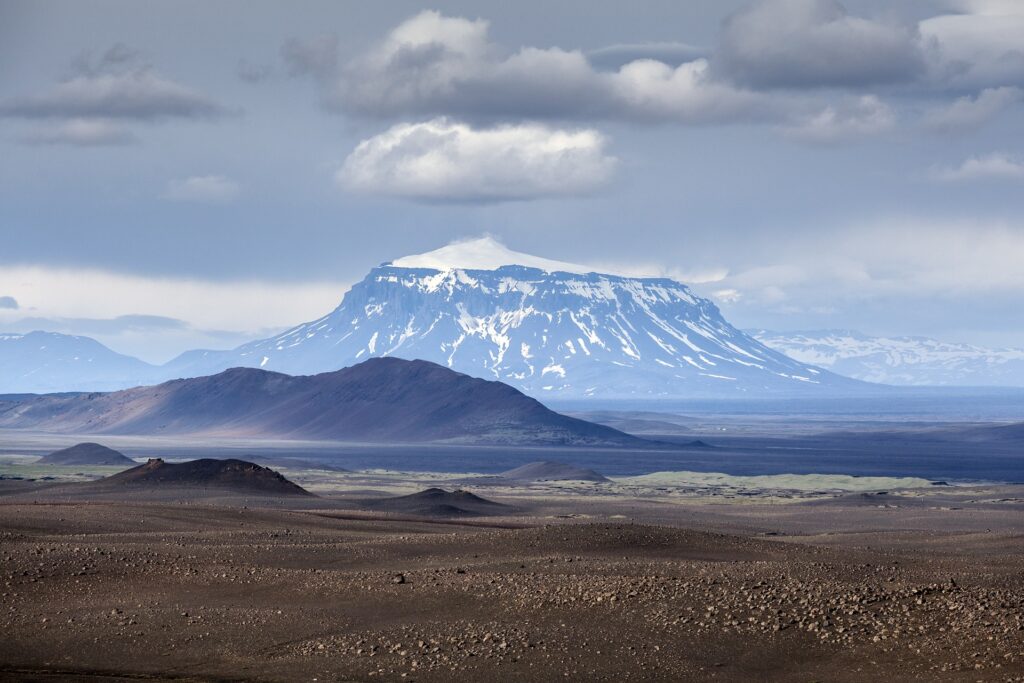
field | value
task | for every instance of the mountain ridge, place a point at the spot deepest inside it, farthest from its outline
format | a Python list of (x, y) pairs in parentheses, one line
[(380, 400), (900, 360)]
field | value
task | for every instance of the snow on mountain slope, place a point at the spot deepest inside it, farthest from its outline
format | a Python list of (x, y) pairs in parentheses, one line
[(40, 362), (545, 327), (485, 253), (900, 360)]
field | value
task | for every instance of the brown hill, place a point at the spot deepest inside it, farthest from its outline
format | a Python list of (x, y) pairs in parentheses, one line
[(379, 400), (86, 454), (230, 474), (552, 471), (436, 502)]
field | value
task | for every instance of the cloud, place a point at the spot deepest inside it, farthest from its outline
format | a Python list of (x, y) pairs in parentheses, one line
[(8, 303), (995, 166), (778, 62), (91, 106), (209, 189), (613, 57), (81, 133), (66, 293), (969, 113), (854, 118), (100, 326), (979, 47), (138, 94), (253, 73), (814, 43), (728, 295), (433, 65), (896, 260), (441, 160), (316, 56)]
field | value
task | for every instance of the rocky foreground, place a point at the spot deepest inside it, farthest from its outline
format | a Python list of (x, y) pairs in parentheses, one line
[(198, 593)]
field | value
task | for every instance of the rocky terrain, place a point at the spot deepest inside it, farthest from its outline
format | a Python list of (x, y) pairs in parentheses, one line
[(200, 592)]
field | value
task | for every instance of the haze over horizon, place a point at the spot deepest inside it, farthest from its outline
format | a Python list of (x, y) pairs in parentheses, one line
[(806, 164)]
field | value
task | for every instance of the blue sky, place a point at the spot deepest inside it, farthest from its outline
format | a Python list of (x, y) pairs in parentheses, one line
[(195, 174)]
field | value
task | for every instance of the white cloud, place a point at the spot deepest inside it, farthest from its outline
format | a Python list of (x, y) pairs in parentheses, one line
[(81, 133), (967, 113), (899, 260), (728, 295), (854, 118), (244, 307), (441, 160), (979, 47), (996, 166), (212, 189)]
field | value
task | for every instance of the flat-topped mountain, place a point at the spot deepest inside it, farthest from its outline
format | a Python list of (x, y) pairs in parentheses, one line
[(547, 328), (379, 400), (228, 474), (86, 454)]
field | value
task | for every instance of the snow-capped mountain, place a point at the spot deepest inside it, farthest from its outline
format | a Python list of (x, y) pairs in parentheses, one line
[(40, 362), (916, 361), (546, 327)]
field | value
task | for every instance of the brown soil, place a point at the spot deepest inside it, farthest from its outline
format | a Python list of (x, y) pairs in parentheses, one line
[(122, 591)]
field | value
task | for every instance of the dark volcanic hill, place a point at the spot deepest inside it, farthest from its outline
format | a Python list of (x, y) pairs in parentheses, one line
[(379, 400), (86, 454), (435, 502), (552, 471), (230, 474)]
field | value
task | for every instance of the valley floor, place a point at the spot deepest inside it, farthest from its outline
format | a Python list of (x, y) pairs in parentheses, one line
[(568, 587)]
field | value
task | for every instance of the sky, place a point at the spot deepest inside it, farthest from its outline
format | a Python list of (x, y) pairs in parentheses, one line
[(191, 174)]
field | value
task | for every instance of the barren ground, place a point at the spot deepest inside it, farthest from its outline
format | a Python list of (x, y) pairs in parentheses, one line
[(570, 587)]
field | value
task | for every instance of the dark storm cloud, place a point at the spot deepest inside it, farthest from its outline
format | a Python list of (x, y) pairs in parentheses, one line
[(815, 43)]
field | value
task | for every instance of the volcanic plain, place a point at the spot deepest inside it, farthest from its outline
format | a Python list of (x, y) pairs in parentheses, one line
[(526, 582)]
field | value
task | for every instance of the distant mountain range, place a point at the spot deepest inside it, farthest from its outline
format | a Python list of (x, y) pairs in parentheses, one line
[(549, 328), (907, 361), (44, 362), (553, 330), (382, 400)]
